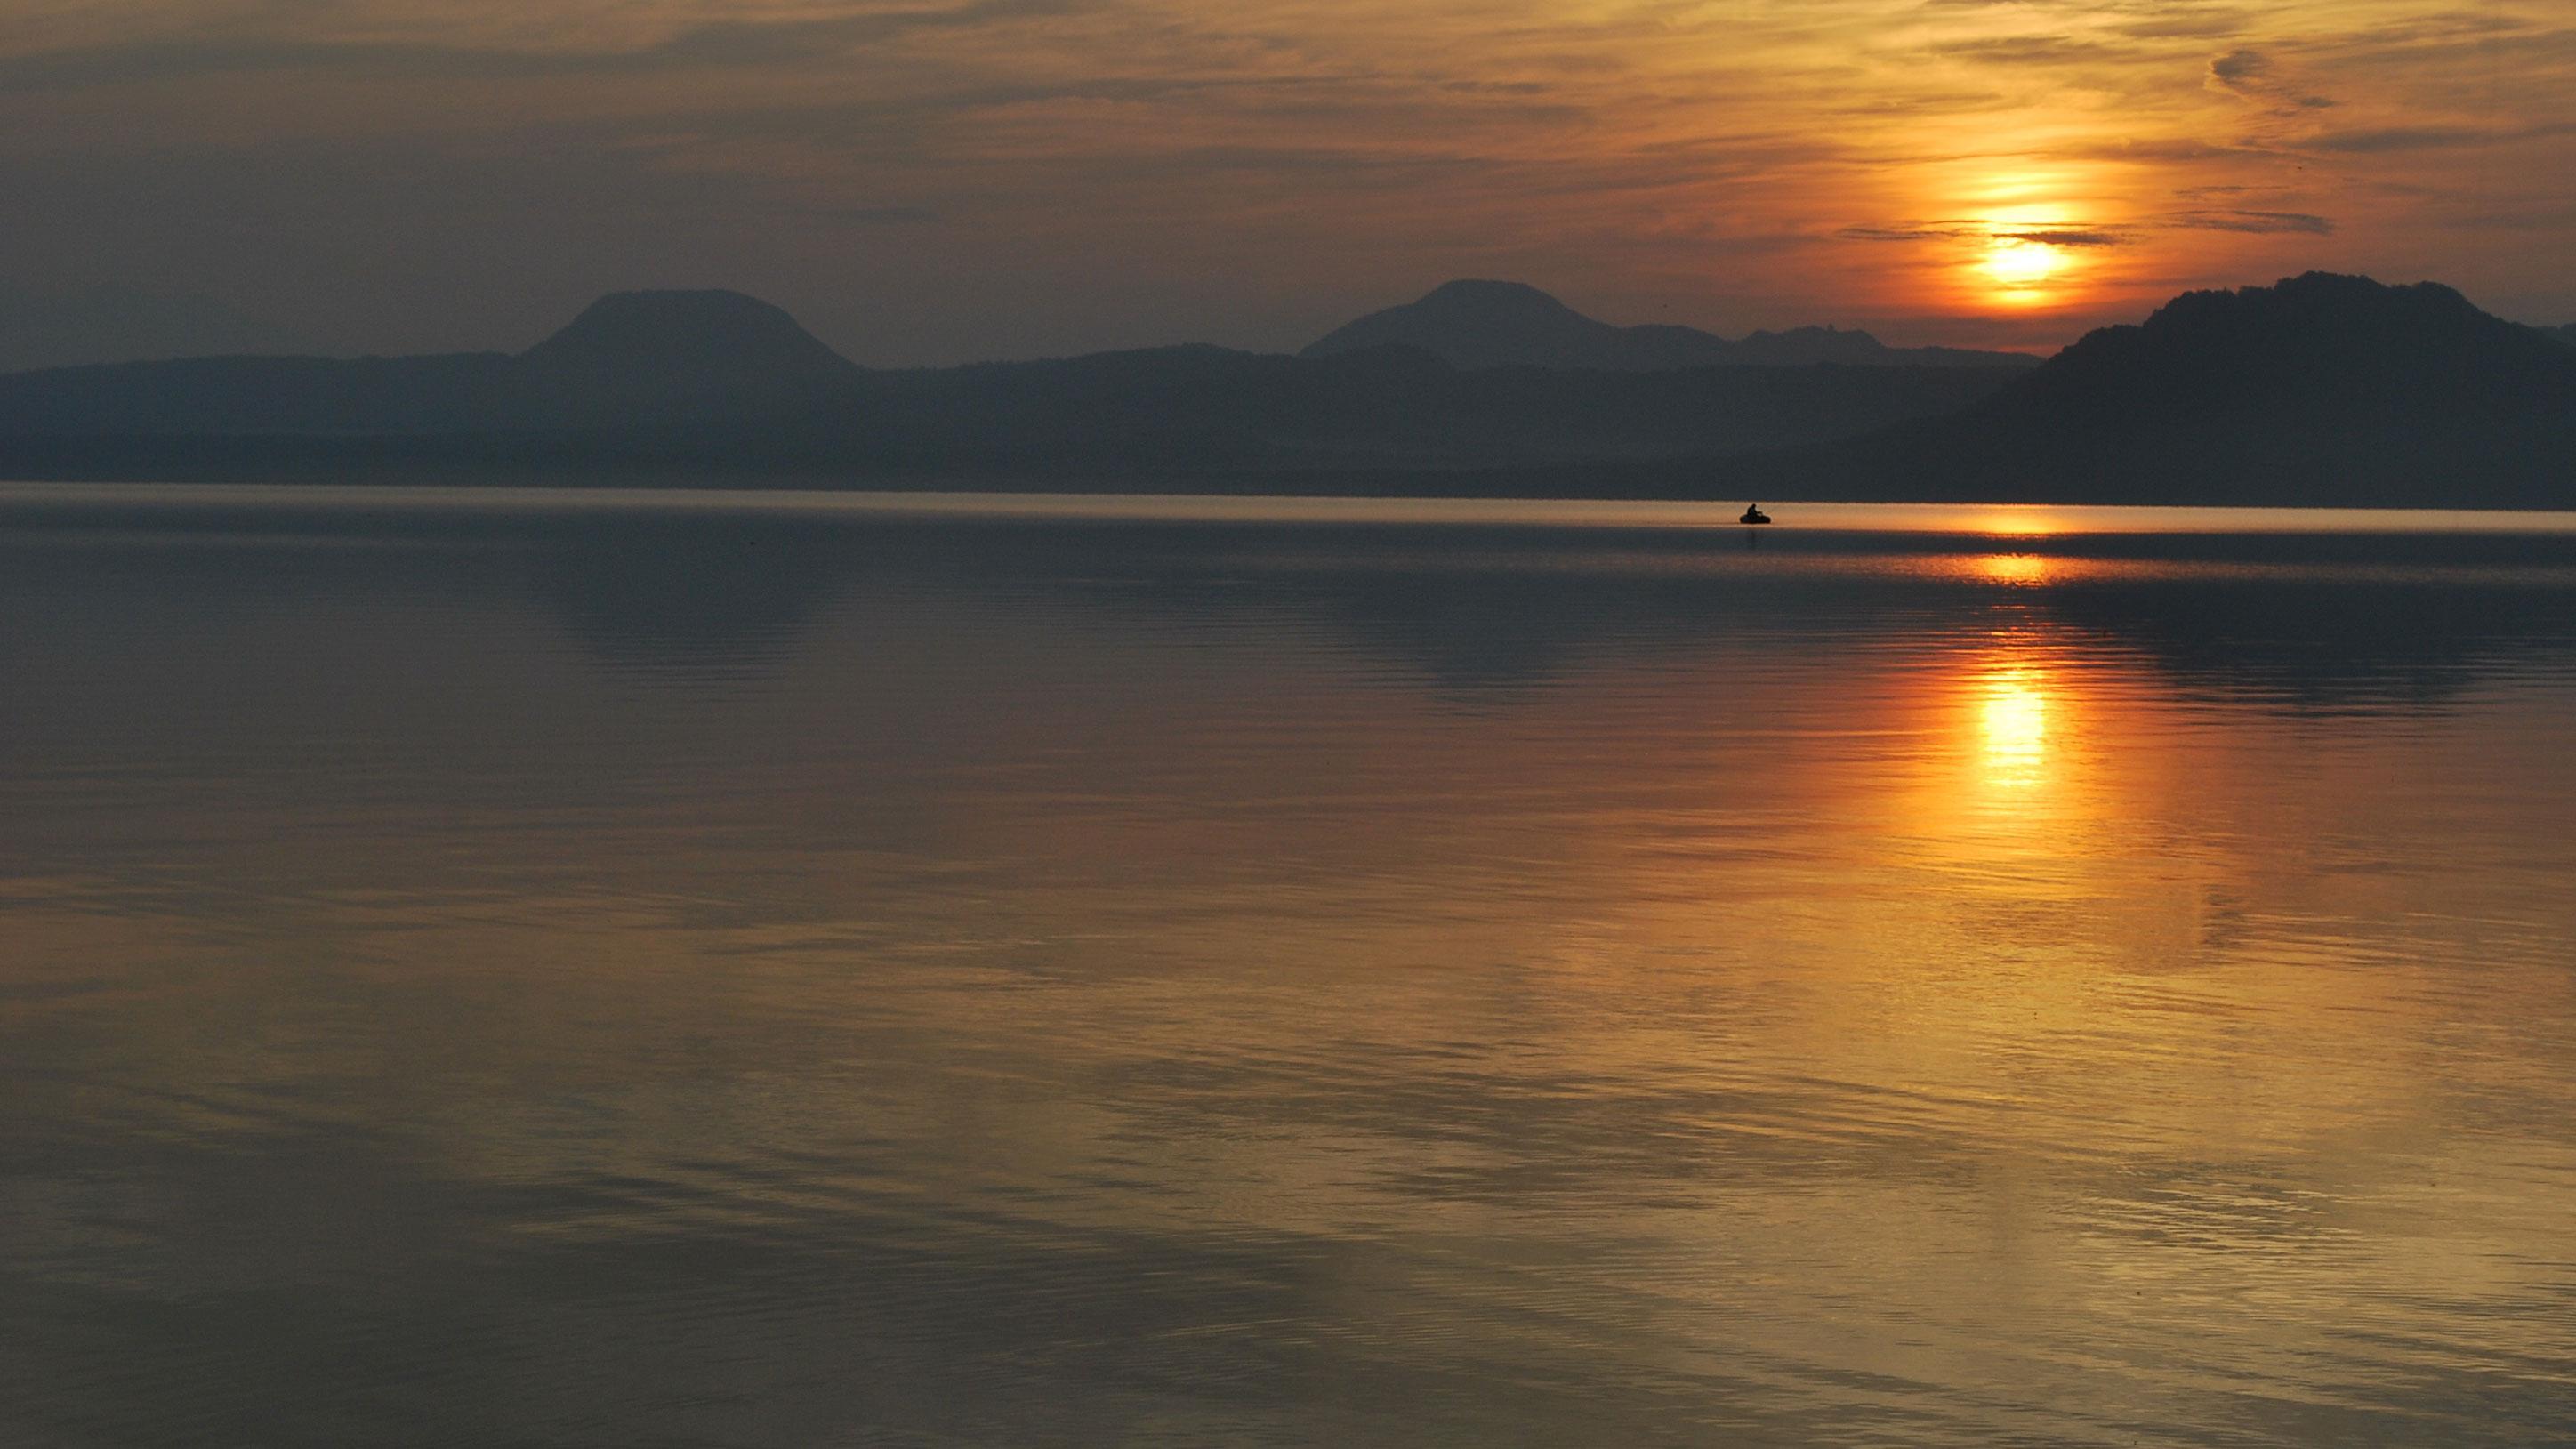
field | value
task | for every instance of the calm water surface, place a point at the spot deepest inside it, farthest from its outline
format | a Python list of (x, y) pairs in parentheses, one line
[(544, 970)]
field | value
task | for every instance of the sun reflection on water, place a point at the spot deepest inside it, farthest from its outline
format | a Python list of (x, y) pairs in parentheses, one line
[(2014, 706), (2015, 568)]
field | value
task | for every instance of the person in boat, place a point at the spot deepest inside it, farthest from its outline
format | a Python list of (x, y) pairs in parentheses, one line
[(1753, 514)]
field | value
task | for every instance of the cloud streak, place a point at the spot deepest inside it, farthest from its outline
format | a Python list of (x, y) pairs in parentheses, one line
[(2252, 77), (2253, 223), (1972, 231)]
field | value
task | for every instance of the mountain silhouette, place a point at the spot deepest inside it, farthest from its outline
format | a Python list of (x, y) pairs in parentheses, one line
[(631, 355), (719, 383), (1478, 324), (2318, 389), (710, 350), (2565, 335)]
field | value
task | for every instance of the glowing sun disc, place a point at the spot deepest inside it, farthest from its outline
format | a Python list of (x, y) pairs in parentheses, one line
[(2020, 263)]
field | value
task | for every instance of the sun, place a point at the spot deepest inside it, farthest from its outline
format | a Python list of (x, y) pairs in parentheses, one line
[(2020, 262)]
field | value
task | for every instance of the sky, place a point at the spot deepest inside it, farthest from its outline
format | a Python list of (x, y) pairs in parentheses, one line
[(933, 181)]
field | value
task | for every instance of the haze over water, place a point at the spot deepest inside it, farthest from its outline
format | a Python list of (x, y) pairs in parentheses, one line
[(540, 969)]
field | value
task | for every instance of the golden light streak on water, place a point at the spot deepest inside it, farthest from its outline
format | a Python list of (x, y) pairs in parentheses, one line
[(2013, 713)]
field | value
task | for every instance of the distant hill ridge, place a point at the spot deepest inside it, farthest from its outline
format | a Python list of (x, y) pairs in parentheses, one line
[(635, 369), (1477, 324), (2317, 389), (628, 357)]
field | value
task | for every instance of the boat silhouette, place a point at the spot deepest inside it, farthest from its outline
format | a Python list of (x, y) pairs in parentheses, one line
[(1753, 514)]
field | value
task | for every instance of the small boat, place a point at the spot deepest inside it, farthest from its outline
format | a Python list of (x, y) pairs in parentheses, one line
[(1753, 514)]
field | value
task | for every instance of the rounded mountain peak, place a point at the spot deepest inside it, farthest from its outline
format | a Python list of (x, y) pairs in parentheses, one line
[(2313, 299), (715, 330), (1476, 323), (1478, 294), (2324, 351)]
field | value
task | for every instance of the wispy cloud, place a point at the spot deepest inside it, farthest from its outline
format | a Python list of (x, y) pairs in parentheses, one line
[(2029, 50), (732, 44), (2056, 236), (2431, 138), (2253, 77), (2242, 221), (2067, 236), (2252, 223)]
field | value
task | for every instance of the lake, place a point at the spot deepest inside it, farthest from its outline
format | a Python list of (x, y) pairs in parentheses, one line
[(533, 968)]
